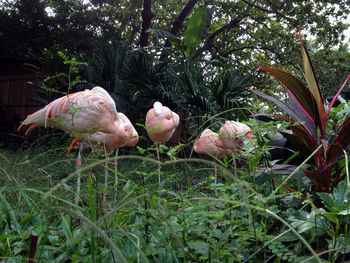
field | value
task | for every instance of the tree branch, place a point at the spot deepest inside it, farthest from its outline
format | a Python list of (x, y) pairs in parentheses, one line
[(210, 41), (275, 11)]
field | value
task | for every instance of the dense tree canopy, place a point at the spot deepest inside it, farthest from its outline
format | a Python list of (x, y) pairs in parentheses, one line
[(246, 32), (143, 50)]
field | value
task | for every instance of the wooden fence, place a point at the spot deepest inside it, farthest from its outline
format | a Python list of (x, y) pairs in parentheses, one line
[(18, 98)]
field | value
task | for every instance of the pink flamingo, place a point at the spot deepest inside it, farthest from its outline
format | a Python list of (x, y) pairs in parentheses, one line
[(230, 132), (85, 111), (210, 143), (160, 124), (126, 135), (223, 144), (82, 111)]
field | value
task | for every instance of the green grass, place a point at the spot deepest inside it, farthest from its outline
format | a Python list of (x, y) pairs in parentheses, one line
[(187, 218)]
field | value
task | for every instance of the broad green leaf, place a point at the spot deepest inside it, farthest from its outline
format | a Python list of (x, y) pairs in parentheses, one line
[(197, 244), (196, 27), (311, 79), (332, 217), (66, 228), (302, 94), (328, 201)]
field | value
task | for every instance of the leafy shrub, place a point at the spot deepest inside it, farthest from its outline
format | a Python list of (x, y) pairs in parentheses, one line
[(308, 118)]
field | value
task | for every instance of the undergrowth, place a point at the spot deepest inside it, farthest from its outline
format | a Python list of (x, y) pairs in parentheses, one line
[(244, 217)]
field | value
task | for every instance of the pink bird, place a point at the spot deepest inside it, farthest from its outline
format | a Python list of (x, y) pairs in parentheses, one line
[(210, 143), (225, 144), (230, 134), (126, 135), (160, 124), (85, 111), (82, 111)]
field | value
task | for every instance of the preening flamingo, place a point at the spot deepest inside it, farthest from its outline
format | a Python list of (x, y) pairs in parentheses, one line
[(230, 132), (82, 111), (125, 135), (160, 124), (85, 111), (210, 143), (223, 144)]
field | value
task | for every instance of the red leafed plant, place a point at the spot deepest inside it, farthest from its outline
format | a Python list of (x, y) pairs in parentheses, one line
[(306, 107)]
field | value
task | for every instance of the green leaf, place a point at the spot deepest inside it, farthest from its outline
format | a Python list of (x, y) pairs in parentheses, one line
[(175, 41), (197, 244), (195, 30), (327, 200), (66, 228), (141, 150)]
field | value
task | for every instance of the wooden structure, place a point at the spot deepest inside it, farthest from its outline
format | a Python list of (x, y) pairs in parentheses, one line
[(18, 93)]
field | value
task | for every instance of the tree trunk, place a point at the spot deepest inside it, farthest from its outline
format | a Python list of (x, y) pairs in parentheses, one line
[(146, 22)]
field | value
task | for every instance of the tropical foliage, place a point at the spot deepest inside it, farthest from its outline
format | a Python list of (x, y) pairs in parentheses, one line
[(197, 57), (308, 118)]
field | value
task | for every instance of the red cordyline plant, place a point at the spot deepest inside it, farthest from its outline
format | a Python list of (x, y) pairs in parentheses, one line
[(307, 113)]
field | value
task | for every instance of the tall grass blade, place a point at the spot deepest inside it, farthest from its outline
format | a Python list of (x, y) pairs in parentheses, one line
[(93, 215), (102, 234), (294, 172)]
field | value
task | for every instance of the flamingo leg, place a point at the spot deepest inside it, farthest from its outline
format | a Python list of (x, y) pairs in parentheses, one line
[(78, 175), (105, 184), (116, 175), (157, 145), (216, 179), (116, 167), (106, 175)]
